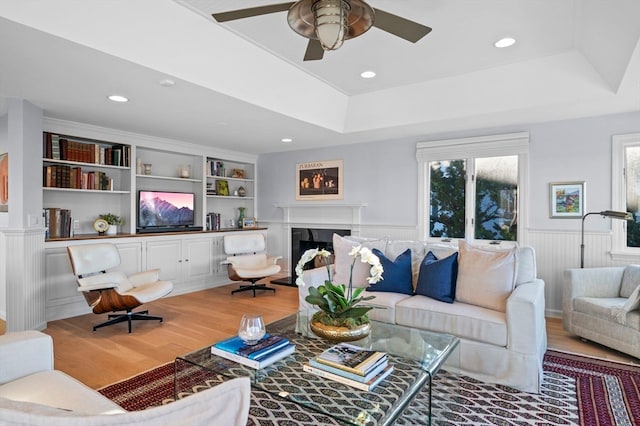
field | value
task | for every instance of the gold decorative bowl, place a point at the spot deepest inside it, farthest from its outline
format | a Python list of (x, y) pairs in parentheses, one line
[(339, 333)]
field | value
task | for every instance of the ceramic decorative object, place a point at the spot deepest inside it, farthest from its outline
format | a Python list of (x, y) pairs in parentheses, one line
[(242, 192), (240, 216)]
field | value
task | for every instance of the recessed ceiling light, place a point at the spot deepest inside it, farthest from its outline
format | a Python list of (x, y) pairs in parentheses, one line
[(118, 98), (167, 82), (286, 140), (368, 74), (505, 42)]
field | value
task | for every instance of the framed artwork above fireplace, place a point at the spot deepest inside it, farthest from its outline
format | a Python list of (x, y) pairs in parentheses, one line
[(319, 180)]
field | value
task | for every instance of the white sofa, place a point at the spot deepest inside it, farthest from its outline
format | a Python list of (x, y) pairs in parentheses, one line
[(33, 393), (602, 305), (503, 344)]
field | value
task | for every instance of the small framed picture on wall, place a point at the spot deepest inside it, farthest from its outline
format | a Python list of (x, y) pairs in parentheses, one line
[(567, 199)]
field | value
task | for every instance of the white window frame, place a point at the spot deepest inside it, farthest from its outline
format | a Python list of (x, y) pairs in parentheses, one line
[(620, 251), (471, 148)]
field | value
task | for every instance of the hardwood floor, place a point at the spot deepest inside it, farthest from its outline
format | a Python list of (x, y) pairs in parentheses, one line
[(196, 320)]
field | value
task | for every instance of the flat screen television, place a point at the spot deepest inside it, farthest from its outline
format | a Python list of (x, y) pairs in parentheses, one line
[(159, 210)]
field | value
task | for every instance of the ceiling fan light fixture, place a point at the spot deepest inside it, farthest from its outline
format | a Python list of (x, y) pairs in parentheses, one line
[(331, 22)]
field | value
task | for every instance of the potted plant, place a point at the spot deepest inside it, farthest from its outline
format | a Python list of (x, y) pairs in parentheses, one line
[(341, 317), (114, 221)]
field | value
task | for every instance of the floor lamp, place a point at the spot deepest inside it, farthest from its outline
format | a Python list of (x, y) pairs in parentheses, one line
[(605, 213)]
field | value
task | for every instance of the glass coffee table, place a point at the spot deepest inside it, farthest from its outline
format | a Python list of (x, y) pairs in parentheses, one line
[(417, 355)]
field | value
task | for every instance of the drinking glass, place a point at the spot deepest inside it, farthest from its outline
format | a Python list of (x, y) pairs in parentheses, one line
[(251, 329)]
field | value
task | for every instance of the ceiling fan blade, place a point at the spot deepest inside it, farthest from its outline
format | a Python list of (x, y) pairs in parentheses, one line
[(398, 26), (252, 11), (314, 52)]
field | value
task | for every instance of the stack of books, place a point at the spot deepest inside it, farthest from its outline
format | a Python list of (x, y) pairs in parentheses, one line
[(268, 350), (352, 365)]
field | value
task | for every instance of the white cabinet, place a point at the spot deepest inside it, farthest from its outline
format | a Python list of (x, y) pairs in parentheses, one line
[(187, 262)]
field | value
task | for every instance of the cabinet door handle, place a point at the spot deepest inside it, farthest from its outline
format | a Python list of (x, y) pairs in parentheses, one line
[(186, 260), (180, 261)]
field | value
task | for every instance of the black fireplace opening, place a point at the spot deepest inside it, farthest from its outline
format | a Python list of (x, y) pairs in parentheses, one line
[(303, 239)]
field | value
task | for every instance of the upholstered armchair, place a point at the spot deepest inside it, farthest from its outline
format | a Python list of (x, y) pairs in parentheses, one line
[(32, 392), (112, 291), (247, 261), (601, 305)]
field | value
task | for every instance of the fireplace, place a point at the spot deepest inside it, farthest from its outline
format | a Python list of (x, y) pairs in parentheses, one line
[(303, 239)]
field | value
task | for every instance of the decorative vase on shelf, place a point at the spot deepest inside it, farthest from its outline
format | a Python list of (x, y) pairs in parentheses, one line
[(112, 230), (240, 216), (242, 192), (341, 318)]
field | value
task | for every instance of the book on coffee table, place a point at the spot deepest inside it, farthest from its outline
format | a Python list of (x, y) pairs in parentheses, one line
[(264, 347), (351, 358), (313, 362), (255, 363), (365, 386)]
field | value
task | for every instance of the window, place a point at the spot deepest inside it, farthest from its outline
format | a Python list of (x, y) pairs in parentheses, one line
[(472, 188), (626, 196)]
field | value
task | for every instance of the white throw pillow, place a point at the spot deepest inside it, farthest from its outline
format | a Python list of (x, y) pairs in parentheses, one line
[(341, 248), (633, 302), (486, 278)]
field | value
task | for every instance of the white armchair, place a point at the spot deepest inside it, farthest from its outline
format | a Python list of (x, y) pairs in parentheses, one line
[(113, 291), (247, 261), (601, 305), (33, 393)]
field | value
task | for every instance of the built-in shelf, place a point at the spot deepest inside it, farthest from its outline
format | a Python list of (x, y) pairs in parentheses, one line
[(97, 191), (82, 164), (237, 197), (169, 178)]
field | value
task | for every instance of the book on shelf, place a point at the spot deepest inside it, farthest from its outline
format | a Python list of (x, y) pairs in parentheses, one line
[(348, 357), (279, 354), (365, 386), (265, 346), (381, 365)]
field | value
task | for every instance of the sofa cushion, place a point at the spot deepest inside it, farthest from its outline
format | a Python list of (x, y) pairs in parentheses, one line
[(396, 275), (438, 277), (386, 304), (600, 307), (69, 393), (341, 248), (485, 277), (630, 280), (460, 319)]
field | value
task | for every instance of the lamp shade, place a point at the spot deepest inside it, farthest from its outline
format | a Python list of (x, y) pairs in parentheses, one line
[(331, 23)]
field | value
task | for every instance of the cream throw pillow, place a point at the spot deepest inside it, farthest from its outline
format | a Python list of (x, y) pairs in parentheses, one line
[(486, 278), (342, 266), (633, 302)]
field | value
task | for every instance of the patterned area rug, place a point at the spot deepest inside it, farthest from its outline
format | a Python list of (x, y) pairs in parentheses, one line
[(576, 390)]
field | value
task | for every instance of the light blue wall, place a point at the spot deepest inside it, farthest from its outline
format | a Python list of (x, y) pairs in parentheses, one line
[(384, 174)]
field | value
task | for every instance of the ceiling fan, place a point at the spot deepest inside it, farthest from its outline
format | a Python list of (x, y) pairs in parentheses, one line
[(328, 23)]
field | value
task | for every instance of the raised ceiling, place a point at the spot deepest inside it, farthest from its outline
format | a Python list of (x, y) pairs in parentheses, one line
[(243, 85)]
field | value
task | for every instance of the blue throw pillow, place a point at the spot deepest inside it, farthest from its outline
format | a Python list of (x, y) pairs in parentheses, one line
[(396, 275), (437, 278)]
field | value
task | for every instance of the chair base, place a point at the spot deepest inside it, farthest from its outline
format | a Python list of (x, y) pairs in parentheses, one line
[(253, 287), (128, 317)]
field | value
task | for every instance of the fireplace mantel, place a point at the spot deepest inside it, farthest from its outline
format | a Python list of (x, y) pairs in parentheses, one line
[(323, 214)]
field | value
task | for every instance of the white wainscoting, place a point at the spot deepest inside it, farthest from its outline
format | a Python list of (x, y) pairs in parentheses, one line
[(25, 285)]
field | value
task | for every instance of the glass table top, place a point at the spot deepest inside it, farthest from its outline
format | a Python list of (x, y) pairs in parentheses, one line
[(416, 355)]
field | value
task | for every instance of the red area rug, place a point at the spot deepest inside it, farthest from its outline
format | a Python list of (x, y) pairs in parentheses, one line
[(576, 390)]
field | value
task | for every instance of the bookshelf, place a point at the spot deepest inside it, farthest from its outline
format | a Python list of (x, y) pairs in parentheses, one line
[(88, 177), (240, 179)]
